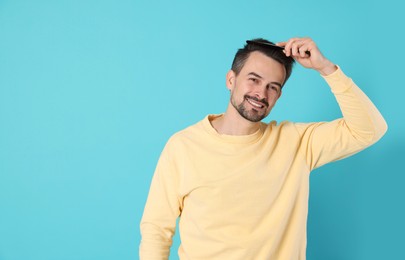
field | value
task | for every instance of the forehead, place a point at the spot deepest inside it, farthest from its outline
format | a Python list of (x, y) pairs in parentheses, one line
[(265, 66)]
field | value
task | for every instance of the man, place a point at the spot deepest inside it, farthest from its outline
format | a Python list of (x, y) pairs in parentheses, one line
[(241, 186)]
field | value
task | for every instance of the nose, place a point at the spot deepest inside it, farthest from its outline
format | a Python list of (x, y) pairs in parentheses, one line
[(261, 95), (261, 92)]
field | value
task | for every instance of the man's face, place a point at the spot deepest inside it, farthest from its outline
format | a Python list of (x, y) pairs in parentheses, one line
[(255, 90)]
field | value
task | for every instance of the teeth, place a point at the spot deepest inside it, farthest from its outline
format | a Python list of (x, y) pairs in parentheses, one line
[(253, 103)]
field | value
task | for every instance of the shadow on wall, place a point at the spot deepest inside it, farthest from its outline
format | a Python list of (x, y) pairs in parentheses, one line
[(354, 210)]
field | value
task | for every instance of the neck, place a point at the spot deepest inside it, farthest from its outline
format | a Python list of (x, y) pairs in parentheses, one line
[(232, 123)]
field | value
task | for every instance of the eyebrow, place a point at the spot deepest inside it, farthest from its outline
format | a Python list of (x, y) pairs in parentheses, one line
[(260, 77)]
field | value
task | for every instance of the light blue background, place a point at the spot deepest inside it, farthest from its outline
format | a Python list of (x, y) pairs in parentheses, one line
[(91, 90)]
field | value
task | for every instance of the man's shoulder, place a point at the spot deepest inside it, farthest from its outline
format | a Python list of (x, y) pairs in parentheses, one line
[(190, 132)]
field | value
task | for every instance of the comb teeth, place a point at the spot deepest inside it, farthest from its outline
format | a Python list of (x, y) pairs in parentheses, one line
[(265, 44)]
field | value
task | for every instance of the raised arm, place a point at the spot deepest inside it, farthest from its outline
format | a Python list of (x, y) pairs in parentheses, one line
[(361, 125)]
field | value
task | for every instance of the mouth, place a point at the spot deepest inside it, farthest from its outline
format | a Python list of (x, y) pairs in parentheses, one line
[(255, 103)]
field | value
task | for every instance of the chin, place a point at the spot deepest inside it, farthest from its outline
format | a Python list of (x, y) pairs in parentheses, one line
[(254, 118)]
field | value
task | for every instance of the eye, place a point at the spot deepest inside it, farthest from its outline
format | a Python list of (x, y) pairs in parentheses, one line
[(274, 88), (254, 80)]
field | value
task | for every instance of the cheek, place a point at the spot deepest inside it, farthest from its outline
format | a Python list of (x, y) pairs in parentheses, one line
[(273, 100), (237, 97), (237, 93)]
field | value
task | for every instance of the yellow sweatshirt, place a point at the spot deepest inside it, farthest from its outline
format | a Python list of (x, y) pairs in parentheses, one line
[(246, 197)]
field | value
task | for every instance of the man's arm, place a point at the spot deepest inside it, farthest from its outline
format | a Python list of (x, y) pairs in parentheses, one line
[(361, 125), (162, 209)]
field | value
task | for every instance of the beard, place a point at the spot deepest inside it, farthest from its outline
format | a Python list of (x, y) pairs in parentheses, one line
[(252, 115)]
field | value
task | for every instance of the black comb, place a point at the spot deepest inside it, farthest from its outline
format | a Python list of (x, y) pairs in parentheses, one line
[(267, 44)]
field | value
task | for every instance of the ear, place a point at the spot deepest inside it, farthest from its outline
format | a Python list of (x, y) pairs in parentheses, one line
[(230, 79)]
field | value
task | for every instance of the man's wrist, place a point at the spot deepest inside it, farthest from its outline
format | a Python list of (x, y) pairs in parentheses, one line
[(328, 69)]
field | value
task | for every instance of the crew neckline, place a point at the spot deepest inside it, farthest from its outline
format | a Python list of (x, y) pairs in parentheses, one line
[(237, 139)]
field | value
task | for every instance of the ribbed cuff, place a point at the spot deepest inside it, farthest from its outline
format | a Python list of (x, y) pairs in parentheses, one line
[(338, 81)]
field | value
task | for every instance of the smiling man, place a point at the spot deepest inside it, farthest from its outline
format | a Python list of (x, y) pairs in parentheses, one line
[(240, 186), (255, 88)]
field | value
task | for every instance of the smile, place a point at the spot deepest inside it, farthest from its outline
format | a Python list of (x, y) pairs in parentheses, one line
[(254, 103)]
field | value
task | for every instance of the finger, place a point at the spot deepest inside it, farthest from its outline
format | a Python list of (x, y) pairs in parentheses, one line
[(295, 48), (304, 52), (303, 46), (310, 44), (292, 45), (281, 44), (288, 46)]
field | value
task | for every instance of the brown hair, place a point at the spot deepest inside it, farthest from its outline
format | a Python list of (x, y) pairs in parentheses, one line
[(275, 53)]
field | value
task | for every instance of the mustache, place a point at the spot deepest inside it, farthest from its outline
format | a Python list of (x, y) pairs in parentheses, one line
[(264, 101)]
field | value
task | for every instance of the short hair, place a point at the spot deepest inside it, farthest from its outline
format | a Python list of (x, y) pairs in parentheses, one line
[(272, 52)]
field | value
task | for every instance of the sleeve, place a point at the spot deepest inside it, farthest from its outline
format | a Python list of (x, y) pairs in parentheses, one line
[(361, 126), (162, 209)]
